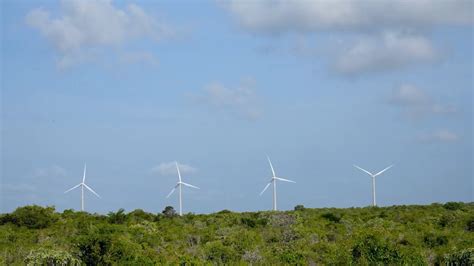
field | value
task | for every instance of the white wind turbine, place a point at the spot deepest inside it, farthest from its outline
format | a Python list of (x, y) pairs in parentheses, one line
[(373, 180), (83, 185), (273, 180), (178, 185)]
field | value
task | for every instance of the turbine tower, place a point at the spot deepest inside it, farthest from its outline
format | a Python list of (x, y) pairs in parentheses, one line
[(178, 185), (273, 181), (373, 180), (83, 185)]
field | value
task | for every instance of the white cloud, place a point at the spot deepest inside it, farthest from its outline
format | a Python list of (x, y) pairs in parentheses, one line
[(139, 57), (86, 25), (417, 103), (241, 100), (281, 16), (409, 95), (391, 50), (18, 188), (442, 135), (169, 168), (443, 109), (379, 27), (49, 172)]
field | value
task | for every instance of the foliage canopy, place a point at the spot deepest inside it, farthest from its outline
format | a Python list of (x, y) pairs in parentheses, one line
[(408, 235)]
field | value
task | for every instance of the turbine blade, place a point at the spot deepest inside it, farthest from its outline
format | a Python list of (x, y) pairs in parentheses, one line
[(179, 174), (286, 180), (84, 176), (174, 188), (271, 166), (379, 173), (189, 185), (265, 188), (91, 190), (360, 168), (72, 188)]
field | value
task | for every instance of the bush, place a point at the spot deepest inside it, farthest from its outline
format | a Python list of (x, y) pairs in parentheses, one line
[(93, 248), (141, 215), (292, 257), (43, 256), (335, 218), (108, 246), (452, 206), (383, 215), (33, 217), (299, 208), (218, 253), (253, 222), (372, 250), (118, 217), (280, 219), (408, 235), (470, 224), (123, 251), (461, 258), (446, 220), (431, 240), (169, 212), (248, 222), (252, 256)]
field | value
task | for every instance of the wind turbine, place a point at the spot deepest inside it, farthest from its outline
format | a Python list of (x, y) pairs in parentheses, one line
[(83, 185), (178, 185), (273, 180), (373, 180)]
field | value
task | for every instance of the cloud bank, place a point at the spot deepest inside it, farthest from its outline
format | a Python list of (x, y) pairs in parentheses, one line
[(84, 25), (169, 168), (416, 103), (386, 34), (241, 100), (49, 172), (280, 16), (442, 135), (389, 51)]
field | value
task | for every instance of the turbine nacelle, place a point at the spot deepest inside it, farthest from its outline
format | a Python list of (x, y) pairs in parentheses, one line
[(83, 185), (373, 175), (283, 179), (188, 185)]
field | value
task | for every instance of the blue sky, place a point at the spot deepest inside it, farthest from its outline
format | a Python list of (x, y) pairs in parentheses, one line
[(131, 86)]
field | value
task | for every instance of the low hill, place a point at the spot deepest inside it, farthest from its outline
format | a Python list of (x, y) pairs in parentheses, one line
[(411, 235)]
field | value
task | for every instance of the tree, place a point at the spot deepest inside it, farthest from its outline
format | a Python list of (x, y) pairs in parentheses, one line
[(141, 215), (93, 248), (336, 218), (452, 206), (118, 217), (33, 217), (169, 211), (299, 207)]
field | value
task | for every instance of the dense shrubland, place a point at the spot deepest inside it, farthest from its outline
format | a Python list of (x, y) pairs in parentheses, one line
[(410, 235)]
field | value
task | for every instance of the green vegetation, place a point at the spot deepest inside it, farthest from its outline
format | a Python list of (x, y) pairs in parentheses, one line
[(400, 235)]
